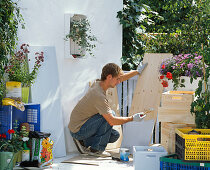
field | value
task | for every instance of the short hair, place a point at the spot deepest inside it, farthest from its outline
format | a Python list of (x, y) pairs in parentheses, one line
[(110, 68)]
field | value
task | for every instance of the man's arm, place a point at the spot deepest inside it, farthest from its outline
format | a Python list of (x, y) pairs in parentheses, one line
[(112, 120), (128, 75)]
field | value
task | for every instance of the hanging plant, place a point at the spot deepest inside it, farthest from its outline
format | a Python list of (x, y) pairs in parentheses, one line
[(80, 33)]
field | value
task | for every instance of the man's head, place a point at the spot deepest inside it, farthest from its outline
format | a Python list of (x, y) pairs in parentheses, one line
[(110, 72), (110, 68)]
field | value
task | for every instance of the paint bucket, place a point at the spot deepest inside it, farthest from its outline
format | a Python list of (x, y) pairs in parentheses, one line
[(13, 89), (124, 153)]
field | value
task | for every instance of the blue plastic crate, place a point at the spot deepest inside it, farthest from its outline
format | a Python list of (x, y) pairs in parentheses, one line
[(31, 115), (171, 162), (5, 120), (9, 114)]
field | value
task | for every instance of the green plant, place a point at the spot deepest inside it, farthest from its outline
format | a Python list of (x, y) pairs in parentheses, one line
[(2, 86), (189, 65), (184, 28), (165, 43), (135, 18), (80, 33), (18, 69), (14, 144), (10, 17), (201, 106)]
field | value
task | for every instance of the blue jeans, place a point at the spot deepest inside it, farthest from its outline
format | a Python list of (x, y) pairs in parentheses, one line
[(97, 133)]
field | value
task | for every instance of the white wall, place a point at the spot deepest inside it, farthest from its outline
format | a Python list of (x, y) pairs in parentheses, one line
[(44, 22)]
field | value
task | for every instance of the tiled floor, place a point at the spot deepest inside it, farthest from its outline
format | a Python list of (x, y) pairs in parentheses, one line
[(106, 165), (111, 165)]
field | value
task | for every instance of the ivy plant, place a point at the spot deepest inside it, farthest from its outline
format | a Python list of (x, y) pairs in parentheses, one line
[(80, 32), (184, 28), (135, 17)]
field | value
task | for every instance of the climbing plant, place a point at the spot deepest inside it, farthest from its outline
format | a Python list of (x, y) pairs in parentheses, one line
[(181, 26), (80, 33), (185, 29), (10, 18), (135, 17)]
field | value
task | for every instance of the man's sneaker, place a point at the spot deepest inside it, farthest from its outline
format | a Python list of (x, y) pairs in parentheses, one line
[(93, 152), (81, 148)]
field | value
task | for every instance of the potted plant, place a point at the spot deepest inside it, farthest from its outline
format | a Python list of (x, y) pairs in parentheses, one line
[(10, 150), (80, 33), (175, 68), (18, 68)]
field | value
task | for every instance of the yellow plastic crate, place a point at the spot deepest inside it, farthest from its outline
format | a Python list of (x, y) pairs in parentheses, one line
[(193, 147)]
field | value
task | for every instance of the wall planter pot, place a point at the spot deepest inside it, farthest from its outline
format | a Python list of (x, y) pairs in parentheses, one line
[(188, 85), (25, 94), (6, 160)]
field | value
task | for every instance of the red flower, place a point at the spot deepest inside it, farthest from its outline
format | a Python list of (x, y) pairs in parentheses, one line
[(162, 77), (11, 131), (163, 66), (169, 75), (164, 83), (3, 136)]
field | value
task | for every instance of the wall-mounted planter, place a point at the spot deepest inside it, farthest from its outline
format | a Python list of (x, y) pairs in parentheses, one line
[(71, 48), (78, 36)]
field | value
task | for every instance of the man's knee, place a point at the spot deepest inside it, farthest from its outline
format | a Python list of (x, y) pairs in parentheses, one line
[(114, 136)]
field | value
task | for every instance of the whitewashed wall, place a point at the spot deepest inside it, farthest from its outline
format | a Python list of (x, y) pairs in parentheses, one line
[(44, 22)]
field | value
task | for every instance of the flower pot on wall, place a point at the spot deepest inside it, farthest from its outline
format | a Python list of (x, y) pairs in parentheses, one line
[(25, 94), (6, 160)]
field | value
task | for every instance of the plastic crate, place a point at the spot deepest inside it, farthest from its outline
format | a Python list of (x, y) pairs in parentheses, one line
[(31, 115), (147, 157), (9, 114), (193, 147), (171, 162), (5, 120)]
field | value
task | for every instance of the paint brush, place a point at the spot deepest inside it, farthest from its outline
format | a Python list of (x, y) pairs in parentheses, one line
[(149, 110)]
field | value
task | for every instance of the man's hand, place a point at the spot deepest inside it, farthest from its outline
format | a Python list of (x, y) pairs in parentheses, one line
[(141, 67), (113, 113), (139, 116)]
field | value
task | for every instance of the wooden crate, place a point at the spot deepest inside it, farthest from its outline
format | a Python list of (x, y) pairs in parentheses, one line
[(182, 99), (175, 115), (168, 134)]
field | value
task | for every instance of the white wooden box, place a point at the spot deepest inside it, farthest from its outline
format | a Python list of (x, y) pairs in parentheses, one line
[(175, 115), (168, 134), (181, 99)]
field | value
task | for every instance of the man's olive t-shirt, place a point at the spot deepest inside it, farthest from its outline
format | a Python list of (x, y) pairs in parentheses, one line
[(93, 102)]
